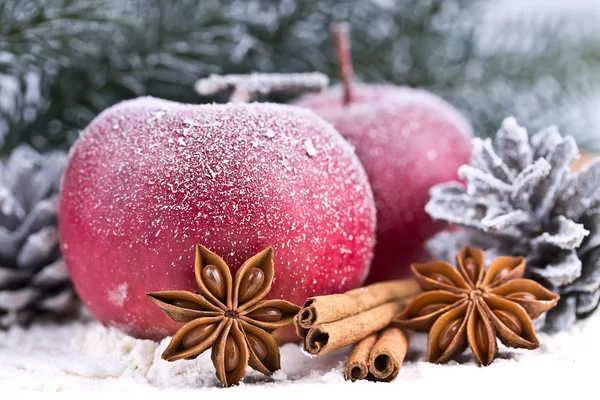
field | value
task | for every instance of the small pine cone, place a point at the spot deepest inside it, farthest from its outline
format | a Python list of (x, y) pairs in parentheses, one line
[(33, 277), (521, 199)]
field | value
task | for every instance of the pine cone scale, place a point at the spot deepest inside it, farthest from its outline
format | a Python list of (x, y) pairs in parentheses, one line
[(13, 278), (33, 278), (587, 303), (523, 201)]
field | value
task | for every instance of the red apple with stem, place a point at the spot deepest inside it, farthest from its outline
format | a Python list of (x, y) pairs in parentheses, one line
[(407, 140), (149, 179)]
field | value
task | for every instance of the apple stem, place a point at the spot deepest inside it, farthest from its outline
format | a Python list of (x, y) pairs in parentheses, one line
[(341, 38), (247, 87)]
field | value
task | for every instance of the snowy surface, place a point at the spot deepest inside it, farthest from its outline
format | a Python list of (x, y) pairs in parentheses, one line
[(84, 356)]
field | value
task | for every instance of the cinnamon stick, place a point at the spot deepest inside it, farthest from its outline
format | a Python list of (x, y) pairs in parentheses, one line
[(387, 355), (378, 357), (357, 367), (330, 336), (323, 309)]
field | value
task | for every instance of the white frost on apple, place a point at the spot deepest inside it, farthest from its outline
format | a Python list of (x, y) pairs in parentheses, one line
[(118, 295), (269, 133), (309, 148)]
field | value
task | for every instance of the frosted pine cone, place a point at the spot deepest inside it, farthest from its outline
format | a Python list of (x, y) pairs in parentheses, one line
[(33, 276), (521, 199)]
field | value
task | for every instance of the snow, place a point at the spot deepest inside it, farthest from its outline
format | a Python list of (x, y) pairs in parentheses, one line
[(85, 357)]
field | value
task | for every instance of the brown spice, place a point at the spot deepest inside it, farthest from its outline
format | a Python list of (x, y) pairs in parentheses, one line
[(327, 323), (357, 366), (388, 354), (378, 357), (471, 306), (322, 309), (228, 316)]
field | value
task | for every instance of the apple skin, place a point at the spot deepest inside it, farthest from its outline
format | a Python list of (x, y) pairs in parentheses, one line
[(408, 140), (149, 179)]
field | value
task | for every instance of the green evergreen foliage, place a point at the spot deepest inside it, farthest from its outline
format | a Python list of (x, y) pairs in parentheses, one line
[(63, 61)]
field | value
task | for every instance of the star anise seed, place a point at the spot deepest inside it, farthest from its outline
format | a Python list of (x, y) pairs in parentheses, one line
[(228, 316), (471, 306)]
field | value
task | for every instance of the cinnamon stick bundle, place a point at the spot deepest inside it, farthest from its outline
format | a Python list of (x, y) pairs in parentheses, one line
[(327, 323), (378, 357), (357, 366)]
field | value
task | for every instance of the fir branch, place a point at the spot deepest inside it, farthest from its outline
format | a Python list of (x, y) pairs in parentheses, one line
[(63, 61)]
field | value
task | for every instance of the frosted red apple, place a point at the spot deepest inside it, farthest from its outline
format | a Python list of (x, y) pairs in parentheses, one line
[(407, 140), (148, 179)]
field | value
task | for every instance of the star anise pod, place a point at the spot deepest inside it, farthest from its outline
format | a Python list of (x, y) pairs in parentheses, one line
[(472, 306), (228, 315)]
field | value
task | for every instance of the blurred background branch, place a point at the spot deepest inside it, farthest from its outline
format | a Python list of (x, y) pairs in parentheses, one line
[(63, 61)]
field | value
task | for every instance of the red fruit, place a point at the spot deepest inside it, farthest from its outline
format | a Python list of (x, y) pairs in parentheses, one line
[(148, 179), (407, 140)]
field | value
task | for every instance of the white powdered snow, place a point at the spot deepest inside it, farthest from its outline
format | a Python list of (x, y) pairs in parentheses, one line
[(84, 356)]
